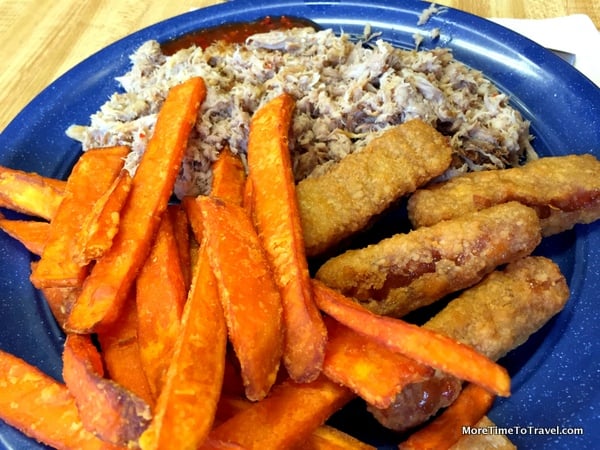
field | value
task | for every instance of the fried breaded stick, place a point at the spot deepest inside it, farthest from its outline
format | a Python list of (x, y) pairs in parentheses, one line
[(408, 271), (500, 313), (564, 190), (344, 199), (494, 317)]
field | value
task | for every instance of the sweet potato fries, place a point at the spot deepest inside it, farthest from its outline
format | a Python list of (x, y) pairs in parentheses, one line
[(277, 217), (107, 286), (197, 325)]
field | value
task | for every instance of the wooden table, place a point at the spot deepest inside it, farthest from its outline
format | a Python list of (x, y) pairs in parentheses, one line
[(42, 39)]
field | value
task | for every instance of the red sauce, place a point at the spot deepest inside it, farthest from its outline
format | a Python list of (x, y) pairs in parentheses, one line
[(236, 32)]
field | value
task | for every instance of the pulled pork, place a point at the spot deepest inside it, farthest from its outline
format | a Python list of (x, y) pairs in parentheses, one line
[(347, 91)]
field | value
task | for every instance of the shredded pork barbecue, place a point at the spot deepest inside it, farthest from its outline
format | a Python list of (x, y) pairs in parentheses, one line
[(346, 90)]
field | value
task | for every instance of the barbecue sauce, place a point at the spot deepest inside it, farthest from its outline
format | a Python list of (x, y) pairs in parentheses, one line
[(234, 33)]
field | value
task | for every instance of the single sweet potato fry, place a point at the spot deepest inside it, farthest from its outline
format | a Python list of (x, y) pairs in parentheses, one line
[(371, 370), (41, 407), (106, 408), (322, 438), (286, 417), (249, 295), (91, 176), (160, 295), (30, 193), (228, 178), (120, 350), (31, 233), (101, 223), (275, 211), (445, 430), (187, 404), (228, 183), (422, 345), (329, 438), (248, 199), (214, 444), (181, 231), (60, 300), (194, 217), (107, 286)]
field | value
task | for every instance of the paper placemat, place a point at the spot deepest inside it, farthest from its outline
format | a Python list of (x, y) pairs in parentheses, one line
[(574, 34)]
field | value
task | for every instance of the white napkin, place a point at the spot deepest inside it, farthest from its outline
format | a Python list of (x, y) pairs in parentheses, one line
[(575, 34)]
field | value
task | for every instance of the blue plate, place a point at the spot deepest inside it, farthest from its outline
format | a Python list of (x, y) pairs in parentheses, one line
[(555, 374)]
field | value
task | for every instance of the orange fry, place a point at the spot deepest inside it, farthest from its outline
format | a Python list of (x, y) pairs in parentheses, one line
[(160, 296), (228, 178), (248, 293), (120, 347), (30, 193), (92, 175), (102, 222), (181, 232), (285, 418), (228, 183), (248, 198), (106, 408), (107, 286), (215, 444), (371, 370), (60, 300), (445, 430), (322, 438), (275, 211), (187, 404), (41, 407), (194, 217), (422, 345), (329, 438), (31, 233)]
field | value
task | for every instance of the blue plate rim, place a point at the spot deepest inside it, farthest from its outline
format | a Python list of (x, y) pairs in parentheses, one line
[(540, 66)]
